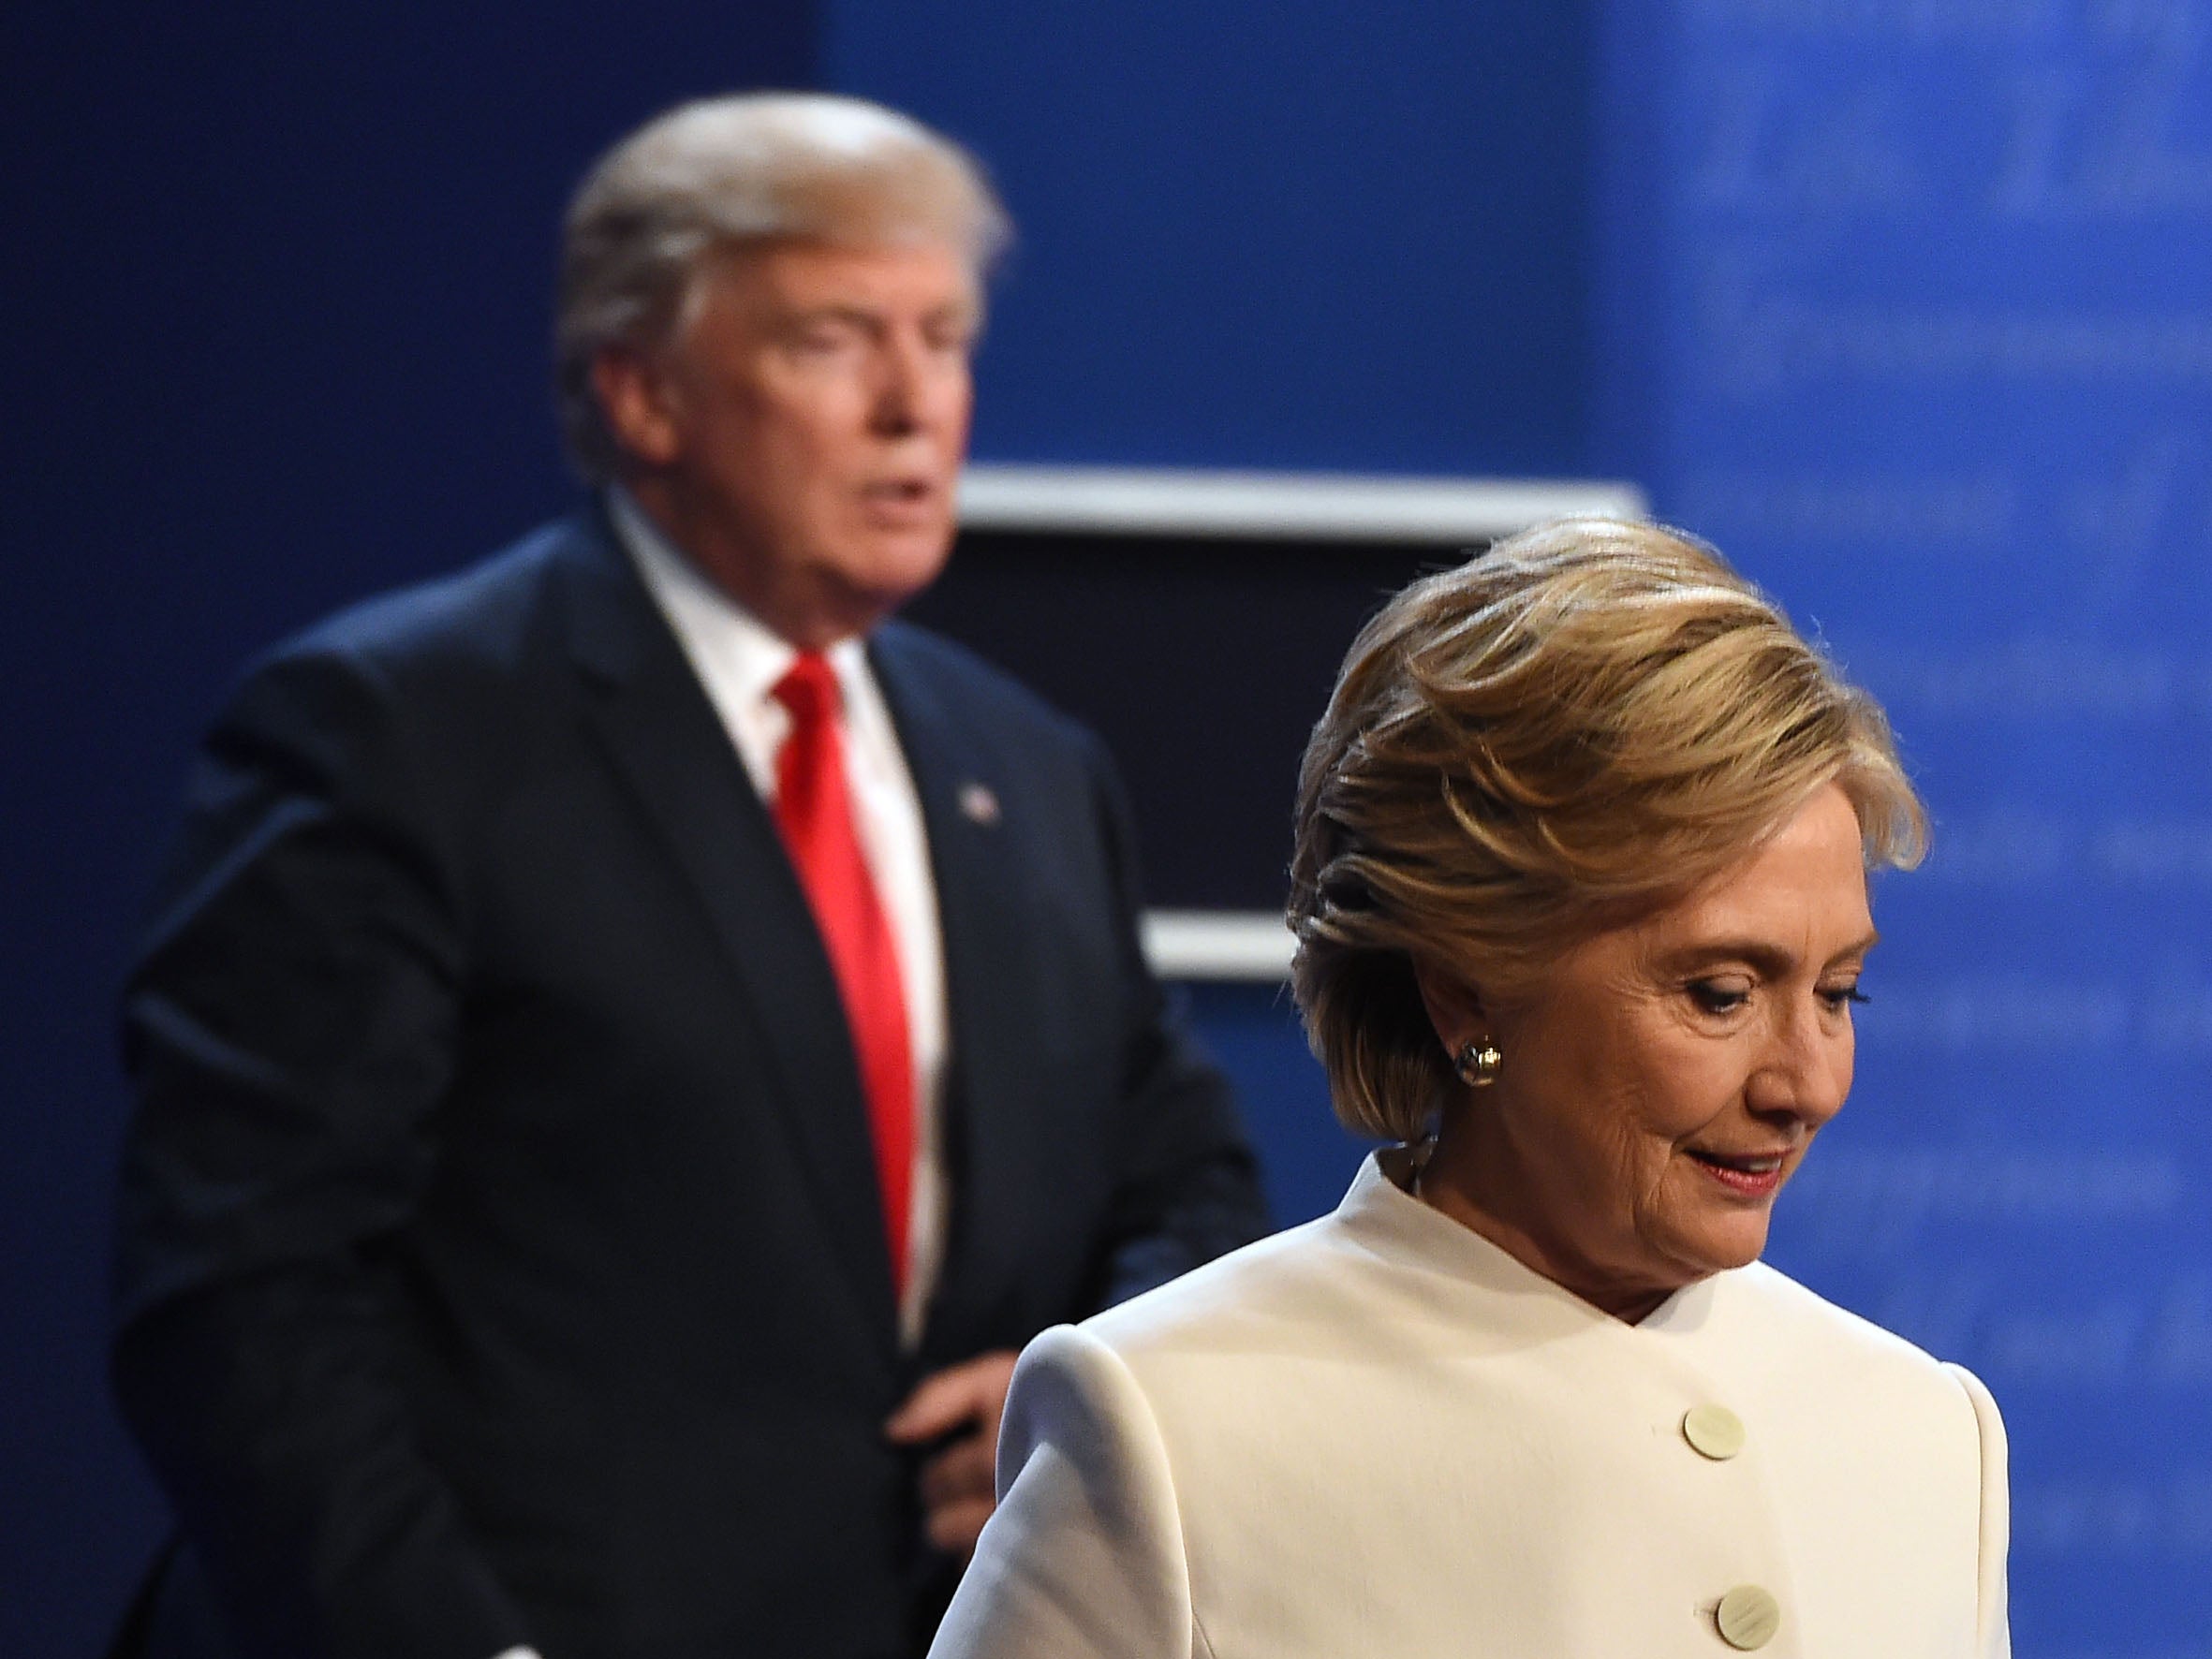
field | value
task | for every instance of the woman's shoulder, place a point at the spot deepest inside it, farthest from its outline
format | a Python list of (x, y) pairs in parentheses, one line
[(1766, 1314), (1380, 1268), (1186, 1360), (1775, 1302), (1300, 1276)]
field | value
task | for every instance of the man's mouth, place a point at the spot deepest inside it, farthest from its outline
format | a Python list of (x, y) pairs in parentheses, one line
[(897, 492)]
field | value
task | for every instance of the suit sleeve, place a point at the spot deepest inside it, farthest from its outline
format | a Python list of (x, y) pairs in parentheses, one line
[(289, 1030), (1188, 1186), (1084, 1558), (1993, 1627)]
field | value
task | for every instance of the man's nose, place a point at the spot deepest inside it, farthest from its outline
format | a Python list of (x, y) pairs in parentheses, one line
[(917, 385)]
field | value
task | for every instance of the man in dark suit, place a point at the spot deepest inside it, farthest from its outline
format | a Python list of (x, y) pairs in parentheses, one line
[(633, 1040)]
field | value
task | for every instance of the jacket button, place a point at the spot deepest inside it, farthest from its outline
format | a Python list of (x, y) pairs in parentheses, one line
[(1748, 1617), (1715, 1431)]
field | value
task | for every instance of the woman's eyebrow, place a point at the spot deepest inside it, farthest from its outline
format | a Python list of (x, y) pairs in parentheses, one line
[(1763, 955)]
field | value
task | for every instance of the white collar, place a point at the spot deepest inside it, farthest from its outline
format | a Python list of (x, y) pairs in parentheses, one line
[(748, 656), (1389, 1219)]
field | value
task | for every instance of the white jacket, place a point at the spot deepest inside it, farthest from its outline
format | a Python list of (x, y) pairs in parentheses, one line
[(1380, 1434)]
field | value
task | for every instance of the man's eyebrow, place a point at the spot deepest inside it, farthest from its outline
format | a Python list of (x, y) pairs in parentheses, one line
[(838, 310), (834, 311)]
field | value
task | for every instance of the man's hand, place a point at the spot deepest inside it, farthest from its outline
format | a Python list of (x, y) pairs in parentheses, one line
[(963, 1402)]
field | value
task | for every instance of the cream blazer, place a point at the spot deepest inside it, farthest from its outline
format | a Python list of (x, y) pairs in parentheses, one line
[(1380, 1434)]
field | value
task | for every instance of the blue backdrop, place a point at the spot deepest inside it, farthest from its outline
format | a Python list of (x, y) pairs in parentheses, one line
[(1907, 303), (1908, 306), (1928, 344)]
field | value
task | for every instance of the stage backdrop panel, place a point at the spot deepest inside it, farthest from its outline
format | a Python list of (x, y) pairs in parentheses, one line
[(1910, 309), (1906, 303), (1283, 233)]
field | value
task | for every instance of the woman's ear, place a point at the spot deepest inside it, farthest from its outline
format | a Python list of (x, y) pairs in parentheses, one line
[(1455, 1010)]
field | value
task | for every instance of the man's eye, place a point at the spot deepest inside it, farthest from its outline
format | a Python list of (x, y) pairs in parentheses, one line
[(823, 337), (1840, 997), (1717, 998)]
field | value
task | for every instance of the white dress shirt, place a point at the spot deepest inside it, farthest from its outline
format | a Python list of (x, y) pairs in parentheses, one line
[(739, 661)]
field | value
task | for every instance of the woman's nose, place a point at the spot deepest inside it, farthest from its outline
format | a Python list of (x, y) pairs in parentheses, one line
[(1806, 1072)]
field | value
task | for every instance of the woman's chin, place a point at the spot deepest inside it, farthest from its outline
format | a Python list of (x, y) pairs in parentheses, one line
[(1715, 1242)]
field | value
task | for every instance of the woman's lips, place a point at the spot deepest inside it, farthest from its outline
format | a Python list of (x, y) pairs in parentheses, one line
[(1748, 1175)]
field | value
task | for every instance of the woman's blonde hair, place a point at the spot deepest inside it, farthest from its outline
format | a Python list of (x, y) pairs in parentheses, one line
[(1582, 723)]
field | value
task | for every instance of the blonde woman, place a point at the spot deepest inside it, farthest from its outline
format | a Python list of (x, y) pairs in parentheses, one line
[(1580, 891)]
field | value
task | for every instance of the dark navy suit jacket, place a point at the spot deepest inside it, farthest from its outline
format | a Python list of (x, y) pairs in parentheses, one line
[(499, 1257)]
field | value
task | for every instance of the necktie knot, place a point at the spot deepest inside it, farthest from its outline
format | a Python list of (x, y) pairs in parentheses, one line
[(808, 688)]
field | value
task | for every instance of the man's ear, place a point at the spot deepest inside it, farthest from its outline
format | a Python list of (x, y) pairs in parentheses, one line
[(1455, 1010), (634, 403)]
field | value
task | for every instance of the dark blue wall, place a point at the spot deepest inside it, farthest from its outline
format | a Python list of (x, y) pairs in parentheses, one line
[(1269, 232), (276, 282)]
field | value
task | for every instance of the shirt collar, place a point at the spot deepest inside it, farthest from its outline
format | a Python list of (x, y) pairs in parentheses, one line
[(748, 654)]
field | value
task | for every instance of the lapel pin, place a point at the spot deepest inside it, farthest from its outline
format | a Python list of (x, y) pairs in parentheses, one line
[(978, 804)]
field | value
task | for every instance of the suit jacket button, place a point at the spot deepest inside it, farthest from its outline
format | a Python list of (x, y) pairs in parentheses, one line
[(1748, 1617), (1715, 1431)]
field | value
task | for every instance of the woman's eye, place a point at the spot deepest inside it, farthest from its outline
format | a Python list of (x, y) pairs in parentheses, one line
[(1714, 997)]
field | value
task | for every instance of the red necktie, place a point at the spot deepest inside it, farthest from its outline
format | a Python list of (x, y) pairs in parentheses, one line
[(814, 812)]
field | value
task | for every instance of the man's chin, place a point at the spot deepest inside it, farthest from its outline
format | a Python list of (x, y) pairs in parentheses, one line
[(843, 602), (898, 567)]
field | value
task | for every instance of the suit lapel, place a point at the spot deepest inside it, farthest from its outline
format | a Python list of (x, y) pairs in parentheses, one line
[(995, 1135), (666, 741)]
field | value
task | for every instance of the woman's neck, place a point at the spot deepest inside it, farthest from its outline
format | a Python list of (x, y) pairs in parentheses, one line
[(1469, 1183)]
